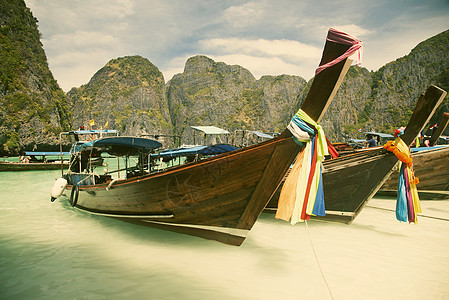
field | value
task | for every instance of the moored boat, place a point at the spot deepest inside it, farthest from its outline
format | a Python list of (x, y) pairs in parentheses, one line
[(36, 161), (431, 166), (350, 181), (220, 197)]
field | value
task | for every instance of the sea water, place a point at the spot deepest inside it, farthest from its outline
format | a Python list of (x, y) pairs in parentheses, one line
[(53, 251)]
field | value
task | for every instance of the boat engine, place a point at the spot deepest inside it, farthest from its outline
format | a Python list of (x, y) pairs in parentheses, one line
[(58, 188)]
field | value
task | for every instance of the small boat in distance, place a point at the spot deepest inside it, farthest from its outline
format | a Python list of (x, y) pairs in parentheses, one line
[(35, 161), (219, 197)]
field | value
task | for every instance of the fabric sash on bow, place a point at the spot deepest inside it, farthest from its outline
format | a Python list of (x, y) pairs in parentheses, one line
[(343, 38), (302, 193), (407, 204)]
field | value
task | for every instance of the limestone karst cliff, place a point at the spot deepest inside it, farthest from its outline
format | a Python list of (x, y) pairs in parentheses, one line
[(130, 94), (33, 108), (127, 94)]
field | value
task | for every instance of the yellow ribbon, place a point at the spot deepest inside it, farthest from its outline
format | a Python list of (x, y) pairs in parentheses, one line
[(321, 139), (292, 197)]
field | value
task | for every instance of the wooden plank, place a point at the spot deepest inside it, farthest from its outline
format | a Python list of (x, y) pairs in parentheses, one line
[(441, 127), (425, 108)]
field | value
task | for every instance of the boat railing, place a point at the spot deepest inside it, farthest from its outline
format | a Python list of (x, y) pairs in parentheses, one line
[(88, 178)]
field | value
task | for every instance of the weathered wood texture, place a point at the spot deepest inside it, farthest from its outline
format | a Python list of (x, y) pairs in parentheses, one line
[(425, 108), (432, 169), (16, 166), (350, 181), (227, 191), (437, 133)]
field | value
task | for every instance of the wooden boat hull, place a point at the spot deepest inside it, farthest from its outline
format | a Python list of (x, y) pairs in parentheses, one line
[(350, 181), (215, 198), (432, 169), (17, 166), (221, 197)]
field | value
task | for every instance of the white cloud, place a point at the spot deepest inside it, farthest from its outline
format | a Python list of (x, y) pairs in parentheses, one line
[(265, 57), (261, 47), (260, 66), (174, 66), (76, 57), (73, 69), (265, 37), (243, 15), (353, 30), (82, 40)]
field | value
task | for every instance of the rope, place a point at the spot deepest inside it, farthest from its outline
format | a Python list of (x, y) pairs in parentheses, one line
[(318, 263)]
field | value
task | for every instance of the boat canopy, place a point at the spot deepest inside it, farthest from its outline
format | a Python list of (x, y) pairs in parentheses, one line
[(419, 149), (203, 150), (34, 153), (261, 134), (93, 131), (210, 129), (382, 135), (120, 145), (355, 141)]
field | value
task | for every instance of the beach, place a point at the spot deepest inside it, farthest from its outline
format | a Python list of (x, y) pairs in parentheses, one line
[(53, 251)]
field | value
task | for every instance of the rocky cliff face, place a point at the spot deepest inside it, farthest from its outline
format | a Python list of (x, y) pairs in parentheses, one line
[(33, 107), (340, 121), (127, 94), (213, 93), (396, 87), (385, 99)]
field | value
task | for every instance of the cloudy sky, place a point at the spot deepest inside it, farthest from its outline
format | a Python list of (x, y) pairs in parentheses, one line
[(268, 37)]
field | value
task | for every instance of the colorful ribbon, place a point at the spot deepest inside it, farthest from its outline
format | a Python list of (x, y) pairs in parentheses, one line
[(343, 38), (407, 204), (302, 193)]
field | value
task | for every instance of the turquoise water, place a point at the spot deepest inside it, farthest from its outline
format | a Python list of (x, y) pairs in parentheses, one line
[(52, 251)]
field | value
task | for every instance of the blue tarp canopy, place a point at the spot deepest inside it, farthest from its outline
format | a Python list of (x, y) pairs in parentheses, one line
[(92, 131), (34, 153), (204, 150), (217, 149), (413, 150), (120, 145), (382, 135)]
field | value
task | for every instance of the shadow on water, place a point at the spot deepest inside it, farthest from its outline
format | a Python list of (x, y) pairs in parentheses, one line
[(323, 225), (78, 255), (137, 232)]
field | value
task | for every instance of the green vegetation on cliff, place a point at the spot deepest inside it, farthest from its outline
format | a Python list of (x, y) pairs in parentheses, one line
[(127, 94), (33, 107), (130, 94)]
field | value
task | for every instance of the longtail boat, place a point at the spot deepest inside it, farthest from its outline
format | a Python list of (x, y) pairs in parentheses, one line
[(218, 198), (350, 181), (37, 161), (431, 166)]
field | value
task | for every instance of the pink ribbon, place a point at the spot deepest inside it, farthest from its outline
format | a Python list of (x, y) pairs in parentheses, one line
[(340, 37)]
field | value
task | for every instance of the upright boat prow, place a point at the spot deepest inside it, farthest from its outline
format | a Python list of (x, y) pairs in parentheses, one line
[(431, 167), (220, 197), (439, 130), (350, 181)]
